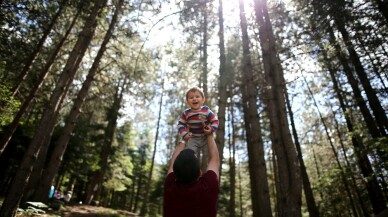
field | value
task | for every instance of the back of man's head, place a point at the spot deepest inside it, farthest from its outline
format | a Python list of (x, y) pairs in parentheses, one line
[(186, 166)]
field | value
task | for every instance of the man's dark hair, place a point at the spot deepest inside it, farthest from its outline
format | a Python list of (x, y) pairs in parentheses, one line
[(186, 166)]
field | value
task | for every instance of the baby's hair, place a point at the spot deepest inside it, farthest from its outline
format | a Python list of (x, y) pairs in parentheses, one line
[(195, 89)]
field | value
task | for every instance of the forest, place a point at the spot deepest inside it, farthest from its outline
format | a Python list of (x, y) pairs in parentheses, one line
[(91, 93)]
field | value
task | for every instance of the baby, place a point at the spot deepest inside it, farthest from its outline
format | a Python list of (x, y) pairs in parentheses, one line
[(196, 122)]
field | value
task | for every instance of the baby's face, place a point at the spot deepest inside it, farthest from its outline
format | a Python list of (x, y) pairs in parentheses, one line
[(195, 100)]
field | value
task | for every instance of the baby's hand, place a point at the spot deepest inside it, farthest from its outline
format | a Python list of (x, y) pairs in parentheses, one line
[(207, 128)]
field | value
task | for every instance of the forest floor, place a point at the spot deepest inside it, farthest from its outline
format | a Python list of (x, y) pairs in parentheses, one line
[(88, 211), (83, 211)]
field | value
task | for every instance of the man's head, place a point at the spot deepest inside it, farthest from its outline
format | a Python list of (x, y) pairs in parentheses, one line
[(195, 97), (186, 166)]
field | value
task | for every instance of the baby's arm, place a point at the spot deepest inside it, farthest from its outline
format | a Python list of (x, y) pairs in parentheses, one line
[(182, 130), (213, 120)]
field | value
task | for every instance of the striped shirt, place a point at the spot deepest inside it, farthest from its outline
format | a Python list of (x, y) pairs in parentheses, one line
[(191, 121)]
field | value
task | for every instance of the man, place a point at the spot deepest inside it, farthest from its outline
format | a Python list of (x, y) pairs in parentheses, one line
[(186, 192)]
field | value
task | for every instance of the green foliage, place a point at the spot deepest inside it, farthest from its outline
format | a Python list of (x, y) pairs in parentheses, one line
[(156, 195), (330, 185), (9, 105), (82, 152), (121, 169), (121, 166), (379, 145), (22, 24), (380, 142)]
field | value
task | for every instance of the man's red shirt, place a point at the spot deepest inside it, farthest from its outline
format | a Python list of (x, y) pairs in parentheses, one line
[(198, 199)]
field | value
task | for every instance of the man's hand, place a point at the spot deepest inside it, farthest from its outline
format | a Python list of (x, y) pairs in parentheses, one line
[(187, 137)]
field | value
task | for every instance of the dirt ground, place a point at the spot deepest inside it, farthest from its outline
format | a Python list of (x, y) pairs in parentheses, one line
[(85, 211)]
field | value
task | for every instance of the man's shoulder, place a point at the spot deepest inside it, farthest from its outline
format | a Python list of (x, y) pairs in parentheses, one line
[(170, 175), (210, 174), (209, 183), (170, 178)]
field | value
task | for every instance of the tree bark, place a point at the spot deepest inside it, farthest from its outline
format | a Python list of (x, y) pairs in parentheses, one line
[(51, 113), (38, 168), (232, 163), (360, 150), (368, 118), (290, 189), (61, 145), (356, 140), (144, 206), (27, 102), (204, 75), (333, 148), (383, 8), (106, 151), (374, 102), (348, 168), (205, 54), (261, 205), (222, 86), (240, 195), (310, 200), (34, 54)]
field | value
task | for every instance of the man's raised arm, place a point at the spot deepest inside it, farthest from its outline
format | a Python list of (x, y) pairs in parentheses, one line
[(181, 145), (214, 158)]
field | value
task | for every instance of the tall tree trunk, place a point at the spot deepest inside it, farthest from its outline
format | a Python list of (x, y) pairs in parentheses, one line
[(318, 170), (36, 171), (348, 168), (232, 162), (308, 192), (374, 102), (329, 138), (289, 202), (35, 176), (28, 101), (204, 75), (240, 191), (261, 205), (137, 195), (38, 48), (373, 57), (95, 186), (222, 85), (61, 145), (205, 54), (144, 207), (368, 118), (383, 8), (360, 151), (132, 197), (41, 158), (71, 183), (51, 113)]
